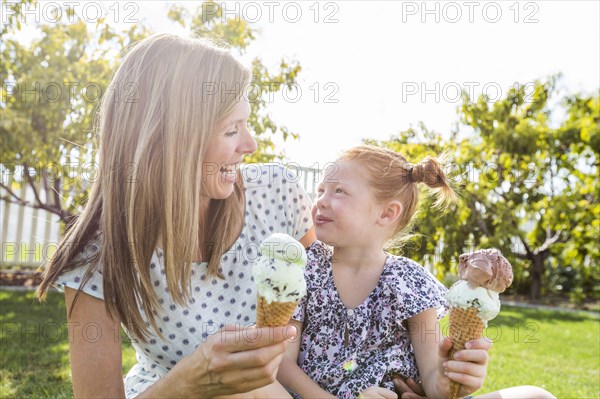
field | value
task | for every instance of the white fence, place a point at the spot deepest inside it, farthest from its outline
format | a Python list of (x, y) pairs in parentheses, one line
[(30, 236)]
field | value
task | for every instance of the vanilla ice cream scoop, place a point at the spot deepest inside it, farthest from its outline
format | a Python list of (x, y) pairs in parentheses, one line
[(486, 268), (484, 274), (279, 270), (462, 295)]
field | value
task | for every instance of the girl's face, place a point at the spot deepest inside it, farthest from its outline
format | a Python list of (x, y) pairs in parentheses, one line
[(345, 211), (224, 152)]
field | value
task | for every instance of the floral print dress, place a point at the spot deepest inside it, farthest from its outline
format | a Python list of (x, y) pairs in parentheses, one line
[(348, 350)]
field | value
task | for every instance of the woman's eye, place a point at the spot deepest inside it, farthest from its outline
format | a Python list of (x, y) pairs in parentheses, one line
[(232, 133)]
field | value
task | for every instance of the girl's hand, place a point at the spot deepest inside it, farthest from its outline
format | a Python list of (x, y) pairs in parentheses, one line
[(377, 393), (469, 367), (234, 360), (408, 389), (470, 363)]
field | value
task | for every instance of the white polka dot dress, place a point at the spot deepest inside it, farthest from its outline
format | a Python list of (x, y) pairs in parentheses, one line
[(275, 203)]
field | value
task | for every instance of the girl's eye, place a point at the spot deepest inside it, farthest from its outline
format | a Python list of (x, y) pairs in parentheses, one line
[(339, 191)]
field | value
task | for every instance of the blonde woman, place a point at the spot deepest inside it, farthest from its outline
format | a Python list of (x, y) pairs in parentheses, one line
[(165, 243)]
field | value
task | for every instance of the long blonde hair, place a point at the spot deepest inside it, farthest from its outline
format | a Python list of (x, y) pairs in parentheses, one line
[(393, 177), (151, 147)]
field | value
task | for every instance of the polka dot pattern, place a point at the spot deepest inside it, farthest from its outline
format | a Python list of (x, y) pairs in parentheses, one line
[(215, 302)]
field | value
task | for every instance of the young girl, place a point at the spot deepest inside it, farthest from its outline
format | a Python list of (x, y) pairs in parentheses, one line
[(369, 315)]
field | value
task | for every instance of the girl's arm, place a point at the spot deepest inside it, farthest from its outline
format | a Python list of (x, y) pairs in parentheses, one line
[(431, 351), (308, 238), (292, 376)]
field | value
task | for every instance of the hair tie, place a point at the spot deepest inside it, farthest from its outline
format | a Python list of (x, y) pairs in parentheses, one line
[(410, 178), (416, 174)]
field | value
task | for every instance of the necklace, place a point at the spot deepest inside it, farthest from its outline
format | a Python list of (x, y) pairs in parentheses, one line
[(349, 313)]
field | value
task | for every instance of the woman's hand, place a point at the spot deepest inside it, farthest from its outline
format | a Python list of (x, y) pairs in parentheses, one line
[(377, 393), (234, 360), (469, 367)]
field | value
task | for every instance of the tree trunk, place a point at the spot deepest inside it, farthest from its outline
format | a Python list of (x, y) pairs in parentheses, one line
[(537, 270)]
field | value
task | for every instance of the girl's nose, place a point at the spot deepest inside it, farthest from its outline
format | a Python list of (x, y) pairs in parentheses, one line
[(322, 201)]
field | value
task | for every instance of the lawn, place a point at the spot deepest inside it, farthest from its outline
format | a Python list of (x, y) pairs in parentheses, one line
[(34, 347), (555, 350)]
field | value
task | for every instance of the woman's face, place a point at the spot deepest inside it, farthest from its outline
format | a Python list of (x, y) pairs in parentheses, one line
[(225, 150)]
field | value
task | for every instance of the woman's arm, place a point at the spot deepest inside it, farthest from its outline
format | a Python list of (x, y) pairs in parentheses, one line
[(292, 376), (233, 360), (95, 348)]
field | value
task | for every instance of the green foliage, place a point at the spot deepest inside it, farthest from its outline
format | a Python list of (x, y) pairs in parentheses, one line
[(208, 21), (53, 85), (526, 187)]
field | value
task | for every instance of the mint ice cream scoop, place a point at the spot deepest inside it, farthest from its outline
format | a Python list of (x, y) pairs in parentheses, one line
[(284, 247), (486, 301), (279, 270)]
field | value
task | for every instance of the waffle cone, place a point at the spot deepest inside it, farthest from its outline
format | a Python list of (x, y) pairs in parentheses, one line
[(465, 325), (273, 314)]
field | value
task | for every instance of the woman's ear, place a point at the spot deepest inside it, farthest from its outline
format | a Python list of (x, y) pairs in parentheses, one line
[(390, 213)]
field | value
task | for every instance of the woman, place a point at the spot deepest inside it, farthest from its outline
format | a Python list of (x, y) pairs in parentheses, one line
[(165, 243)]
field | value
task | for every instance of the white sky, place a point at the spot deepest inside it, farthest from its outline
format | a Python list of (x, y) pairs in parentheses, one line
[(378, 51)]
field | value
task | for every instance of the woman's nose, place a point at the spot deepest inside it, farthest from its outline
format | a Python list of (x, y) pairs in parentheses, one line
[(249, 145)]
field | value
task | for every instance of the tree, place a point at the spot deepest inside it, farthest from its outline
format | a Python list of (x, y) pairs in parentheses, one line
[(527, 188), (208, 21), (51, 88)]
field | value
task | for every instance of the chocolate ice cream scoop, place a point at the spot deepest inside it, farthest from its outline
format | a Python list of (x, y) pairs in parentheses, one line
[(486, 268)]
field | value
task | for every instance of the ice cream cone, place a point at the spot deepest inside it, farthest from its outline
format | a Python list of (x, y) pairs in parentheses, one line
[(465, 325), (273, 314)]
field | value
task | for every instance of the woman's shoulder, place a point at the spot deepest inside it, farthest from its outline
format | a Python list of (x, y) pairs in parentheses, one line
[(275, 199), (89, 251), (267, 175), (86, 271)]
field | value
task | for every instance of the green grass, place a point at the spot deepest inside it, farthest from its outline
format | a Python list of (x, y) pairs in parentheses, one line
[(555, 350), (34, 347), (558, 351)]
